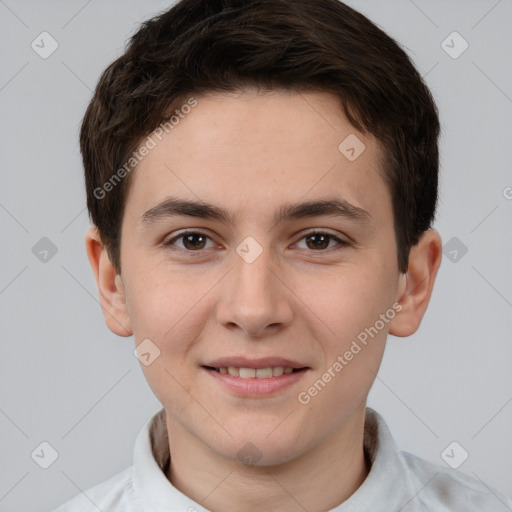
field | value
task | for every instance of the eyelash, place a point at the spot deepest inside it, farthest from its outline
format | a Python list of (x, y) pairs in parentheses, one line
[(170, 243)]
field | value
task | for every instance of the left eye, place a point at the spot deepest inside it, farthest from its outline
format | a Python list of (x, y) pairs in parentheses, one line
[(194, 241), (320, 240)]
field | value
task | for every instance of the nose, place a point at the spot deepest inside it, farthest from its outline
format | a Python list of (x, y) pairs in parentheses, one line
[(255, 299)]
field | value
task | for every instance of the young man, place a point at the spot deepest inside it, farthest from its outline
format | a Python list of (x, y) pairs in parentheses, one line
[(262, 178)]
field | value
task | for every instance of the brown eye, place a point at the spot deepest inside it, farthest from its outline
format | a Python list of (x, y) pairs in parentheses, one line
[(320, 241), (191, 241), (194, 241)]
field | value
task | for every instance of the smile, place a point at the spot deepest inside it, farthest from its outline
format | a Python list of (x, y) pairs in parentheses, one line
[(254, 373), (259, 382)]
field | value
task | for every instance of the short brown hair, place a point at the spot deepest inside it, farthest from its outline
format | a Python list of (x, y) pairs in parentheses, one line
[(200, 46)]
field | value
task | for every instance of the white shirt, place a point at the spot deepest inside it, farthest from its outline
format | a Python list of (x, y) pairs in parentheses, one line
[(397, 481)]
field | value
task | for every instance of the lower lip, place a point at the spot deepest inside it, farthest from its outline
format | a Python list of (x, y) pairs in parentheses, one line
[(254, 387)]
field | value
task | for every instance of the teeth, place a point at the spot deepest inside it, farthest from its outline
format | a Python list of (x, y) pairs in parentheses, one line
[(247, 373), (259, 373), (235, 372), (263, 373)]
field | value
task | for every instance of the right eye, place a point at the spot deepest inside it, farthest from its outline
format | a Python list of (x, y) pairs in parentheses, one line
[(192, 241)]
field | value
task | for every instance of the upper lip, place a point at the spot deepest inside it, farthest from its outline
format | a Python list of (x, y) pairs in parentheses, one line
[(264, 362)]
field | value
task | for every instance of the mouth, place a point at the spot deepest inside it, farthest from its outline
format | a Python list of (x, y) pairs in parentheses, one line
[(255, 373), (254, 378)]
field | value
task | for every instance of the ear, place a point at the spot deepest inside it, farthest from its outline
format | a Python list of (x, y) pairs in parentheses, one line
[(416, 285), (110, 286)]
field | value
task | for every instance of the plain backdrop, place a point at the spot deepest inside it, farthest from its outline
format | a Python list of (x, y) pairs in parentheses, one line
[(68, 381)]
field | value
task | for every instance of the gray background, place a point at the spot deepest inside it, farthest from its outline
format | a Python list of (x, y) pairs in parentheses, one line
[(67, 380)]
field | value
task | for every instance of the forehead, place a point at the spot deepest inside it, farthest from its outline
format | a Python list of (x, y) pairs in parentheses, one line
[(250, 152)]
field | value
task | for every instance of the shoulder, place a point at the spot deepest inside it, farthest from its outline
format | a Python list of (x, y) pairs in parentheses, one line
[(113, 495), (443, 489)]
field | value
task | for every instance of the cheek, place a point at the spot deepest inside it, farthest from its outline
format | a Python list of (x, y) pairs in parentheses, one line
[(172, 316), (170, 309), (347, 300), (351, 331), (162, 301)]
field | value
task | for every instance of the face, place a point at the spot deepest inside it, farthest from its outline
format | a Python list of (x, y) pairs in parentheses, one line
[(287, 257)]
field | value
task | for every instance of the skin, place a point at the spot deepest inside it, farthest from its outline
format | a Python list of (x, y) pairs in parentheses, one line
[(250, 153)]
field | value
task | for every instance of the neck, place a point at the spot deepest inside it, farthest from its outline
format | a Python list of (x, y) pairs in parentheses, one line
[(318, 480)]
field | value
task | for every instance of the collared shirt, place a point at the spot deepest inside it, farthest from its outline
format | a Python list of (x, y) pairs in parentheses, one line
[(397, 482)]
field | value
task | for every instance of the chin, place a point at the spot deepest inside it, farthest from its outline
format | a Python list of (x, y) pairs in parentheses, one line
[(253, 447)]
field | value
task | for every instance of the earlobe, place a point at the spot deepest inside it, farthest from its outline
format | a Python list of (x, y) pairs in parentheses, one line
[(110, 285), (415, 287)]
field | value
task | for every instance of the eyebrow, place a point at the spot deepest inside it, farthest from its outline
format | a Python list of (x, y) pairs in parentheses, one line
[(334, 207)]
